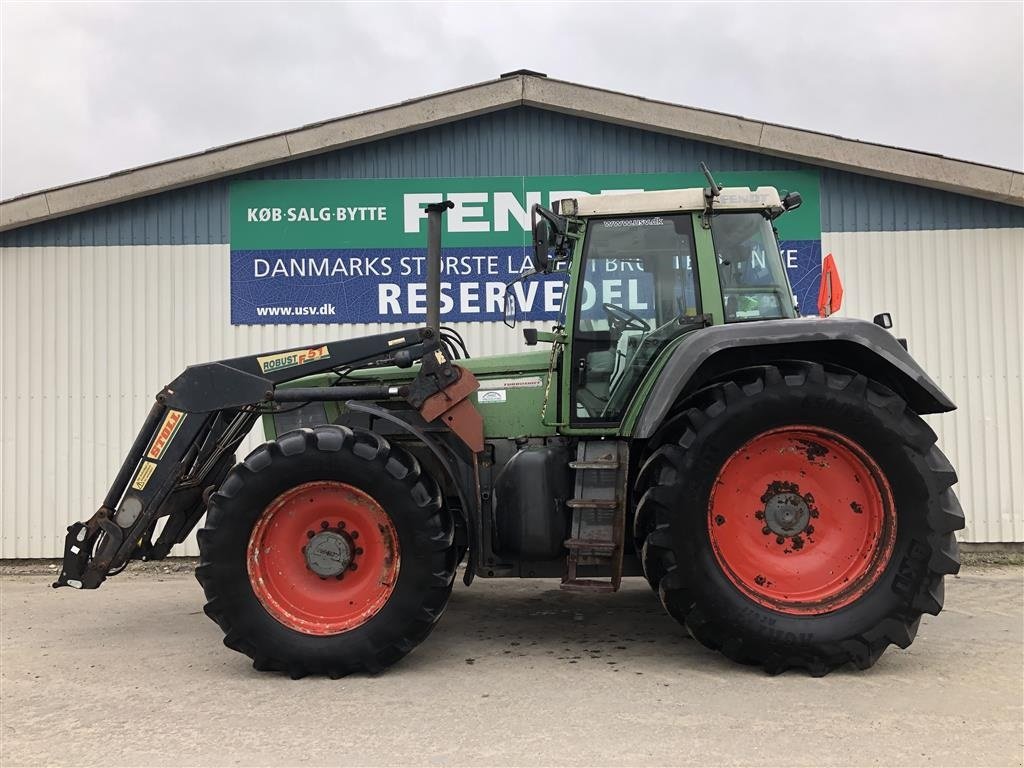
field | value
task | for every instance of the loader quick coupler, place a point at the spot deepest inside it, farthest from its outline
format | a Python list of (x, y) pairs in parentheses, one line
[(78, 549)]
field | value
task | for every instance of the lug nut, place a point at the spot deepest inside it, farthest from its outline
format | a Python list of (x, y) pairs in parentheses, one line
[(325, 525), (359, 550), (352, 566), (310, 534), (780, 539), (354, 534)]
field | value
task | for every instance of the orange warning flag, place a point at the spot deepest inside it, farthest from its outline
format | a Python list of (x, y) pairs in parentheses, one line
[(830, 294)]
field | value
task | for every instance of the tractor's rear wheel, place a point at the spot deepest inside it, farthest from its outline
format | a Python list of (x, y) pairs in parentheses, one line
[(327, 551), (798, 516)]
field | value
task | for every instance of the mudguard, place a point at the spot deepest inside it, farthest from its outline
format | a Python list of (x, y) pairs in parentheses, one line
[(855, 344)]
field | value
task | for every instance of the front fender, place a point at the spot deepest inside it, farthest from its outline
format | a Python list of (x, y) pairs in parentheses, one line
[(856, 344)]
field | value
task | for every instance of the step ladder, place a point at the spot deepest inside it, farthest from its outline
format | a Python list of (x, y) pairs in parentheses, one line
[(598, 516)]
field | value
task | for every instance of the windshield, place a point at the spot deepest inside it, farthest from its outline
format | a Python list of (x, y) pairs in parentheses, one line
[(638, 292), (750, 269)]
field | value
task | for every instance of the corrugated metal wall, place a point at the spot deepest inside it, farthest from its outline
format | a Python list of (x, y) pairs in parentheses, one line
[(956, 296), (90, 334), (515, 142), (88, 337)]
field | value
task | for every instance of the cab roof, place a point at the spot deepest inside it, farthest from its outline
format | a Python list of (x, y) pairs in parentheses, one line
[(670, 200)]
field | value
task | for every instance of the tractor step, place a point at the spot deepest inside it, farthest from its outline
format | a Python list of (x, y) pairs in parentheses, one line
[(588, 585), (598, 517), (595, 464), (592, 503), (590, 545)]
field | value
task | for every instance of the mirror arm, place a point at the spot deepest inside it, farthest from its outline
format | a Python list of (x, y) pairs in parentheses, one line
[(711, 191)]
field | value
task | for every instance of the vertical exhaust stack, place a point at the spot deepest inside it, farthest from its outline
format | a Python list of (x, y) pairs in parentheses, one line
[(434, 212)]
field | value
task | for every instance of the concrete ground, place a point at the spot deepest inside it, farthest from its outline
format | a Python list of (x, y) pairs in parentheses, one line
[(517, 673)]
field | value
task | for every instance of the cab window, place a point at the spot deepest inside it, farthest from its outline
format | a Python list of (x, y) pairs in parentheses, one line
[(638, 291), (750, 269)]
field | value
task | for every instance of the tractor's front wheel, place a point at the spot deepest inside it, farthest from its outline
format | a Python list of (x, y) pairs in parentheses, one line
[(798, 516), (327, 551)]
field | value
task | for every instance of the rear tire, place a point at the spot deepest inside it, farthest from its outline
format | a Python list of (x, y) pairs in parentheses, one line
[(841, 594), (367, 503)]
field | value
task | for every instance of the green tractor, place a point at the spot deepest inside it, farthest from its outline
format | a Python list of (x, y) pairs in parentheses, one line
[(770, 476)]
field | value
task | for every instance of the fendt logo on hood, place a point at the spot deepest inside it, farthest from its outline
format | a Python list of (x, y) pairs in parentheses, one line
[(163, 437), (271, 363)]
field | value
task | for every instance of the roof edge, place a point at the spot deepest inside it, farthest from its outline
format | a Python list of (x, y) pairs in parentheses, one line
[(239, 157), (919, 168), (909, 166)]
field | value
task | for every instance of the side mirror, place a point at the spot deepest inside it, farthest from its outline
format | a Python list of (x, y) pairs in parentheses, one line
[(792, 201), (883, 319), (511, 308), (543, 237)]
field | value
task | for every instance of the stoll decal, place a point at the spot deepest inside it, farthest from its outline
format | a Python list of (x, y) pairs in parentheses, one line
[(270, 363), (146, 470), (165, 434)]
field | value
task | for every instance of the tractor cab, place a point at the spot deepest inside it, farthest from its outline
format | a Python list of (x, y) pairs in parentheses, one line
[(646, 269)]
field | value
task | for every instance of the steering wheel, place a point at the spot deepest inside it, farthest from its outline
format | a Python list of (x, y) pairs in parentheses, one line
[(624, 320)]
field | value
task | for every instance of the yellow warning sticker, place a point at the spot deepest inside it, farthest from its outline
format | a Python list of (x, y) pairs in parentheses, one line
[(145, 472)]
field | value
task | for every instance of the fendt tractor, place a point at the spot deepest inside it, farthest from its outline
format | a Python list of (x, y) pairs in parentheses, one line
[(769, 475)]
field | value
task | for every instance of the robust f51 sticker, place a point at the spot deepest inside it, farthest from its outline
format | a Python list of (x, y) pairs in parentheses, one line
[(271, 363), (164, 436)]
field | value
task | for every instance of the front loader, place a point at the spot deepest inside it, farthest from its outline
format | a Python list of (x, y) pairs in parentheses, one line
[(769, 475)]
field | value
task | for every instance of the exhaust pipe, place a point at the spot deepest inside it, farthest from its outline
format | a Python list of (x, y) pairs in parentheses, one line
[(434, 212)]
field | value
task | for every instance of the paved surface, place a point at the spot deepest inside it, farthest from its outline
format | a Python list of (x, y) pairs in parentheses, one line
[(517, 673)]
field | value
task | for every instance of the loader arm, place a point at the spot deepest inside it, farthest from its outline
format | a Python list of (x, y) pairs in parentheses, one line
[(186, 445)]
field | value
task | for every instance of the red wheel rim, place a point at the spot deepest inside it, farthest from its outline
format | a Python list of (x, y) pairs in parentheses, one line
[(802, 520), (346, 531)]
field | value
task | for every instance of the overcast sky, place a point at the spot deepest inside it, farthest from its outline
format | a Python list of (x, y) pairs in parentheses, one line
[(89, 89)]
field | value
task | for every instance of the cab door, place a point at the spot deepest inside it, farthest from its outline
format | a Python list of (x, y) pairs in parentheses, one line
[(635, 290)]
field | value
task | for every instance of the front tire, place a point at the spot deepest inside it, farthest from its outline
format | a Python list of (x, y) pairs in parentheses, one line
[(327, 551), (798, 516)]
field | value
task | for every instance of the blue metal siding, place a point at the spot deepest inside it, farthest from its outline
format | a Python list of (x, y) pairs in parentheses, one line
[(520, 141), (851, 202)]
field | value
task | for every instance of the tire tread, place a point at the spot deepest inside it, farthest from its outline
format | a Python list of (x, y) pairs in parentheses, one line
[(435, 525), (654, 517)]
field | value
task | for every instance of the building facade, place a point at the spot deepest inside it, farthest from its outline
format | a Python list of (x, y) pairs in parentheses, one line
[(109, 288)]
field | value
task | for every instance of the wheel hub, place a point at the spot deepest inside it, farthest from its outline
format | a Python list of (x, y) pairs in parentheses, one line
[(802, 520), (329, 553), (323, 558), (786, 514)]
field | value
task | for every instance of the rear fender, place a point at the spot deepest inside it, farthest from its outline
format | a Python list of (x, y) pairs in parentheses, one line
[(859, 345)]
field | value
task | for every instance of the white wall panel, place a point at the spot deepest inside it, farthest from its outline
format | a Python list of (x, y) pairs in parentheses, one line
[(89, 334), (956, 295)]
